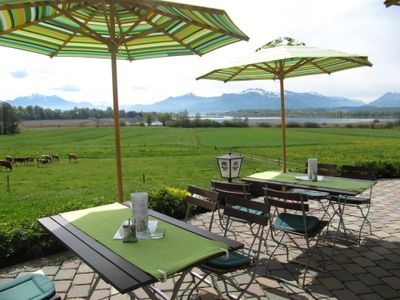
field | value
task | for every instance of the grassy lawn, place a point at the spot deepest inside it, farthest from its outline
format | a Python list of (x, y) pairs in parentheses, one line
[(170, 156), (153, 158)]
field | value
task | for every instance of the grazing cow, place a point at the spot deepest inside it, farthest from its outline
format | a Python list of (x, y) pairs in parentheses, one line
[(10, 159), (47, 157), (6, 164), (55, 157), (20, 160), (72, 156), (28, 160), (42, 161)]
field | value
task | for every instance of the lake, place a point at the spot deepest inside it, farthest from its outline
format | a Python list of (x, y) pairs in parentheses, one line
[(298, 119)]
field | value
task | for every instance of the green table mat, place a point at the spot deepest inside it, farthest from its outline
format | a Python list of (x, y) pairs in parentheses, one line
[(351, 185), (177, 250)]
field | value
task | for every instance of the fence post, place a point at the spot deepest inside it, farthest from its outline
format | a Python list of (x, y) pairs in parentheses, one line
[(8, 183), (144, 178)]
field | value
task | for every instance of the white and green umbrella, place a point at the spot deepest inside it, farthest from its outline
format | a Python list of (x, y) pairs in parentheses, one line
[(392, 2), (284, 58), (116, 29)]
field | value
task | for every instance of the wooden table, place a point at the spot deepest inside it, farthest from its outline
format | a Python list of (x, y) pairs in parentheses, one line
[(113, 269), (278, 179)]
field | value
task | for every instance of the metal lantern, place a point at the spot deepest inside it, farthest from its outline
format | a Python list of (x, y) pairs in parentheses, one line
[(229, 165)]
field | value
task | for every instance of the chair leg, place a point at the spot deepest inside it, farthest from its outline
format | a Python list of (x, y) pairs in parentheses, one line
[(365, 220), (197, 284)]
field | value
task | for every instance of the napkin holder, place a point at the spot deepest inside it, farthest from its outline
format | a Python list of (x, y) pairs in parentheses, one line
[(312, 169), (140, 212)]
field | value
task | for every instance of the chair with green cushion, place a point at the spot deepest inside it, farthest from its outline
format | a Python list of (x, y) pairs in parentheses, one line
[(233, 189), (201, 198), (221, 268), (288, 216), (362, 203), (29, 287)]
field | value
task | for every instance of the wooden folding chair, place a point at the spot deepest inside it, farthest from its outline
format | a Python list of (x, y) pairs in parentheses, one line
[(203, 198), (288, 216), (221, 269), (362, 203)]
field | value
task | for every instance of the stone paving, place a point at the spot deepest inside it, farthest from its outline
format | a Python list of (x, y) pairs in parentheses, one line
[(369, 271)]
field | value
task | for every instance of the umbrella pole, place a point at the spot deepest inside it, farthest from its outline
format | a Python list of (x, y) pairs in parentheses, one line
[(116, 125), (283, 126)]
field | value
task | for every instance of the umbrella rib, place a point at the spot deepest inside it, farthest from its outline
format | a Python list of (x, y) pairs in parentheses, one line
[(35, 4), (94, 35), (267, 68), (202, 25), (235, 74), (72, 35), (319, 67), (22, 26), (367, 64), (175, 38), (390, 2), (147, 32), (297, 65), (125, 45), (134, 25)]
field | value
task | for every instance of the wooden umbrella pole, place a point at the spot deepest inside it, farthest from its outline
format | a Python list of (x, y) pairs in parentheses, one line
[(283, 126), (113, 47), (116, 126)]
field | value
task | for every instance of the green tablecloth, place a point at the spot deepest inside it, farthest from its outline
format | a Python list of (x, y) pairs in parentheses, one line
[(330, 182), (177, 250)]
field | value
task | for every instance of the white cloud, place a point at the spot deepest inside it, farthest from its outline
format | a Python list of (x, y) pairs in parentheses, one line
[(358, 26)]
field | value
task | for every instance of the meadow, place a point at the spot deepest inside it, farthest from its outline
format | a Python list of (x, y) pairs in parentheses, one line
[(153, 158), (156, 156)]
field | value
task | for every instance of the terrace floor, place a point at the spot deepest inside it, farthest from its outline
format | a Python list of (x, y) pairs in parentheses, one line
[(370, 271)]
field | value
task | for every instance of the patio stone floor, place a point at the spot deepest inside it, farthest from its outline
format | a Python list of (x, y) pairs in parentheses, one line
[(369, 271)]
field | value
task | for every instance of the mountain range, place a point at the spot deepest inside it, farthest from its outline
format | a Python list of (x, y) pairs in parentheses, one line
[(251, 99)]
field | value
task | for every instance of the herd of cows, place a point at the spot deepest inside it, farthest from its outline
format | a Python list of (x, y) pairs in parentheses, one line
[(41, 161)]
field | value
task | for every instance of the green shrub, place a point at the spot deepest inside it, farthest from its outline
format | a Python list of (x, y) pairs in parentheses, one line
[(169, 201), (293, 125), (311, 125), (385, 168), (264, 124)]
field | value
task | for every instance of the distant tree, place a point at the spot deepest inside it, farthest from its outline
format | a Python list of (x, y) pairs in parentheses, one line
[(149, 119), (164, 118), (8, 119)]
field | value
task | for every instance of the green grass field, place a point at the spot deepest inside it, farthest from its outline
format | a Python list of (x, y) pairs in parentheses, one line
[(153, 157), (169, 157)]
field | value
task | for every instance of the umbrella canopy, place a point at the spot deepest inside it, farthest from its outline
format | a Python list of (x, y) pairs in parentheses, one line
[(284, 58), (116, 29), (392, 2)]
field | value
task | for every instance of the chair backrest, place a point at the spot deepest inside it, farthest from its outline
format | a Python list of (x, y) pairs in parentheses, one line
[(324, 169), (238, 207), (202, 198), (358, 172), (231, 188), (286, 200)]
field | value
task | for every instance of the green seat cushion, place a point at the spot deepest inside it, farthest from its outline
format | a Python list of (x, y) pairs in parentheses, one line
[(350, 200), (27, 287), (235, 260), (246, 209), (295, 223)]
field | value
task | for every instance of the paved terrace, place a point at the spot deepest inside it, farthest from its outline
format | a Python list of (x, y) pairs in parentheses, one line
[(370, 271)]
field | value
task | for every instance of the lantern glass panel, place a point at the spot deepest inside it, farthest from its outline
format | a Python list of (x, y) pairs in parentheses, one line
[(224, 167)]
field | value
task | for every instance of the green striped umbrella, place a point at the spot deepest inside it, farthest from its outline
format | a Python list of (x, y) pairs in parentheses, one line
[(116, 29), (284, 58), (392, 2)]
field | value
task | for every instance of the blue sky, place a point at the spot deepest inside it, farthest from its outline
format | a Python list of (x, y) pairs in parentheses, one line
[(364, 27)]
